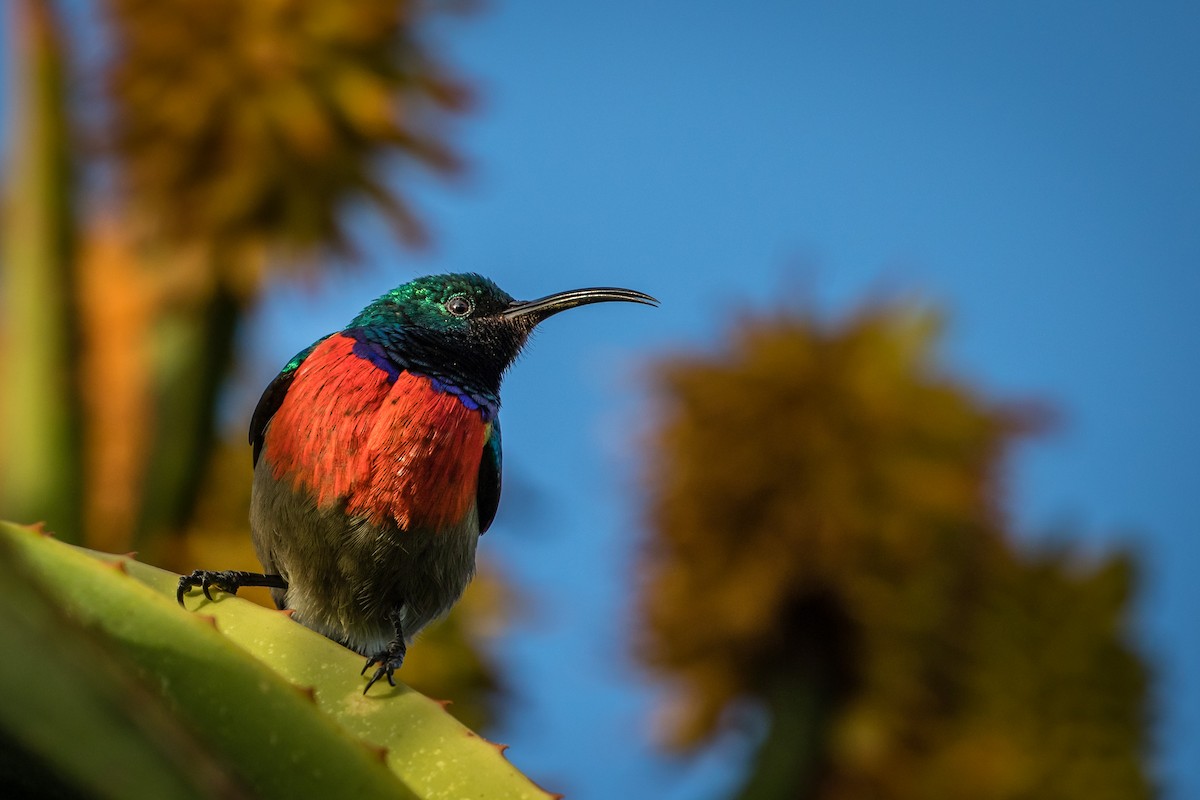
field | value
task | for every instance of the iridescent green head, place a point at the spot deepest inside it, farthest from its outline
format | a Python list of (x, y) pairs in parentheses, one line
[(464, 327), (438, 303)]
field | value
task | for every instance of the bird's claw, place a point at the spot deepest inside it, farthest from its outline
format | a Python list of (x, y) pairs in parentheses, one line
[(206, 579), (389, 660)]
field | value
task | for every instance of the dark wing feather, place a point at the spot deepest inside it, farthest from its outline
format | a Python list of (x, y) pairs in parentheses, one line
[(272, 398), (487, 495)]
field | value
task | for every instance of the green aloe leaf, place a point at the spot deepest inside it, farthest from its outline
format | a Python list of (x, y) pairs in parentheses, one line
[(280, 703)]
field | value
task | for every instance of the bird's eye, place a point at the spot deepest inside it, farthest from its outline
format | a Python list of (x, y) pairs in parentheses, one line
[(460, 305)]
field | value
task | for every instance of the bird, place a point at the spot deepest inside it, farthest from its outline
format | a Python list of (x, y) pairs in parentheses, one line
[(377, 461)]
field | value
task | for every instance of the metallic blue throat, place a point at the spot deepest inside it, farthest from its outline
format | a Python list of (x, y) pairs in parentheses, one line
[(379, 356)]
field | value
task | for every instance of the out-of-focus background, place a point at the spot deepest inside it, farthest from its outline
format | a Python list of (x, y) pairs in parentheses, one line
[(892, 497)]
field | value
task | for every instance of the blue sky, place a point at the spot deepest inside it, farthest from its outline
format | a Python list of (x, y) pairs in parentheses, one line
[(1032, 168)]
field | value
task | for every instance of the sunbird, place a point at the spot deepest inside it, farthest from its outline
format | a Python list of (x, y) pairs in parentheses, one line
[(377, 461)]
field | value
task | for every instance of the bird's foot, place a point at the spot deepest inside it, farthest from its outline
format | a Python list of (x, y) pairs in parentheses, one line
[(227, 580), (389, 660)]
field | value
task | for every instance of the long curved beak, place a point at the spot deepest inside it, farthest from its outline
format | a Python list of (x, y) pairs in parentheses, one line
[(543, 307)]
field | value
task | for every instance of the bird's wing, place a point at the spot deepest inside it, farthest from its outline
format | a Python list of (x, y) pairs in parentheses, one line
[(272, 398), (487, 495)]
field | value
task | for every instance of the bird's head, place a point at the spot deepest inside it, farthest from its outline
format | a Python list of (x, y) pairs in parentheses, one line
[(465, 326)]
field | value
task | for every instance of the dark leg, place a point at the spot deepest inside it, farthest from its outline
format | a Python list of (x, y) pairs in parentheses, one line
[(391, 657), (229, 580)]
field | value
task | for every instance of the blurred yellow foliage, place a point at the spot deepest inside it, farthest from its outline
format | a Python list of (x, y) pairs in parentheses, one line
[(117, 304), (828, 540)]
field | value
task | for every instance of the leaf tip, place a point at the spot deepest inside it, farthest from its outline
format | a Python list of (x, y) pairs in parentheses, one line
[(117, 565)]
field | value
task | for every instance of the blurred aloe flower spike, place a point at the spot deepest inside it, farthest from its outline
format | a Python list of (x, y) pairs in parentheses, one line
[(253, 123), (846, 567)]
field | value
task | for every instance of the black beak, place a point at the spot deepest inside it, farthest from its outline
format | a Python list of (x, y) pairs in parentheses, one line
[(534, 311)]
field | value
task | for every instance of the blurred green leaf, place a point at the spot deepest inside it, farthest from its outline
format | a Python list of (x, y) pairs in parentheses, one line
[(41, 471)]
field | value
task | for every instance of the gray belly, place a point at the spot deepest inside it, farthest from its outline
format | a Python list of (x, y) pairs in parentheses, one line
[(345, 574)]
